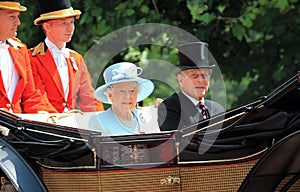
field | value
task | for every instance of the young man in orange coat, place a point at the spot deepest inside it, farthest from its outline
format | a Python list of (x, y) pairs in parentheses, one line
[(59, 72), (17, 88)]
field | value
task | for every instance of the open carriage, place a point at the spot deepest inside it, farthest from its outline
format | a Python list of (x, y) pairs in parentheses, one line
[(253, 147)]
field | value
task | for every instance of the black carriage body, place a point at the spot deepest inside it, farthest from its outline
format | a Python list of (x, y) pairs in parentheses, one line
[(237, 148)]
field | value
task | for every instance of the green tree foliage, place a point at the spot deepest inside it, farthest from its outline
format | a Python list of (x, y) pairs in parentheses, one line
[(256, 43)]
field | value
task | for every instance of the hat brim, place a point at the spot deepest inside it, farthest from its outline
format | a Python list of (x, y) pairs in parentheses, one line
[(14, 6), (146, 87), (57, 15), (195, 67)]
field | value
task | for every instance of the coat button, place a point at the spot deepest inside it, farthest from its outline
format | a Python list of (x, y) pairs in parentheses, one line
[(8, 105), (64, 104)]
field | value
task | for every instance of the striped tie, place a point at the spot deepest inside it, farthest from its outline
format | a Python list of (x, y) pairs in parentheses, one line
[(204, 110)]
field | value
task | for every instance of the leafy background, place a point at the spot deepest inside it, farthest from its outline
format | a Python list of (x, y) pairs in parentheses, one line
[(256, 43)]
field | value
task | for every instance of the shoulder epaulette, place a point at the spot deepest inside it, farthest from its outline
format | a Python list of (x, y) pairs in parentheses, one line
[(15, 43), (39, 49), (73, 51)]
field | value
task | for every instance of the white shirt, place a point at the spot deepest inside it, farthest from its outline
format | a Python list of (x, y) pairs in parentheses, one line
[(9, 74), (60, 56), (195, 101)]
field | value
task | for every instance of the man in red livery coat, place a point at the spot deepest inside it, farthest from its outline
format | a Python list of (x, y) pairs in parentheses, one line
[(61, 73), (17, 88)]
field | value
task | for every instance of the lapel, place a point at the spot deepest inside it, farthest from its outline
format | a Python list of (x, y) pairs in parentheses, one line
[(72, 73), (48, 62), (188, 109), (2, 88), (18, 61)]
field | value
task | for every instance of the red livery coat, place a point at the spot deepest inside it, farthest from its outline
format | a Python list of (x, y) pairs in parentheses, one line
[(26, 98), (47, 80)]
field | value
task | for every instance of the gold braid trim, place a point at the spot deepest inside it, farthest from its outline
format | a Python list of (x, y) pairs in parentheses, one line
[(15, 43), (39, 49)]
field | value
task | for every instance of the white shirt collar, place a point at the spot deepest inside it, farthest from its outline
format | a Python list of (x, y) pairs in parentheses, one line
[(195, 101), (55, 50)]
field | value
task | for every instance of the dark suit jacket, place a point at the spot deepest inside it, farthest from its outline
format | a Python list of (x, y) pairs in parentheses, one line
[(178, 111)]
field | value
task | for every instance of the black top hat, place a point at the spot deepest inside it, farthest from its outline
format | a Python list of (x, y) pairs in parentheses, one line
[(55, 9), (13, 5), (194, 55)]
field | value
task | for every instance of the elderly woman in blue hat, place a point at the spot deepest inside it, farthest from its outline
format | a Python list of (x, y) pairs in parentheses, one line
[(123, 88)]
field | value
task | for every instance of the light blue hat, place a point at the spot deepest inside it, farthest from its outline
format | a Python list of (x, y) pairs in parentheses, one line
[(124, 72)]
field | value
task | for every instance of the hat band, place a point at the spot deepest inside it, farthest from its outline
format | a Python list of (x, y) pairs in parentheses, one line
[(69, 11), (123, 79)]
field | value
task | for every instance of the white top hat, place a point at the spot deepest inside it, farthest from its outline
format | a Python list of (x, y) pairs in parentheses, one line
[(124, 72)]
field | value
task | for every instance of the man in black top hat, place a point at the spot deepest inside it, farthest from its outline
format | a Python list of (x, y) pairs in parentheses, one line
[(188, 106)]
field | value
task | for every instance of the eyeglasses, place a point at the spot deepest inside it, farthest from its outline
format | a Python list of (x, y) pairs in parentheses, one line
[(196, 75)]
